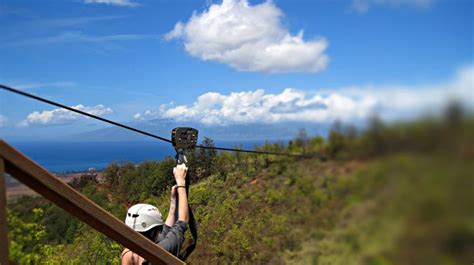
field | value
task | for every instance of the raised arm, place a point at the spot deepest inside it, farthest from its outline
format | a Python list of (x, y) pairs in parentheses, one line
[(171, 219), (174, 238), (180, 175)]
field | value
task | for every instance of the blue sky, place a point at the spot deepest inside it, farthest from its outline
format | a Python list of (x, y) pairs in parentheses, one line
[(231, 62)]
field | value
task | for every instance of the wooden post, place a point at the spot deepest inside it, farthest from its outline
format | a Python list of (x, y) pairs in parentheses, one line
[(3, 217), (60, 193)]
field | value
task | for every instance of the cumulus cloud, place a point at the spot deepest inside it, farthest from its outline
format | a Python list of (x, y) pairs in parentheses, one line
[(349, 104), (3, 121), (113, 2), (62, 116), (249, 38), (363, 6)]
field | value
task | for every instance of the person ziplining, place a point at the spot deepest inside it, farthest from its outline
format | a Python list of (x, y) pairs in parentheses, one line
[(147, 220)]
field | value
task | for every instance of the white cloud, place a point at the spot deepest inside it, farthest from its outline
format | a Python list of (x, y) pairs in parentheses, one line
[(350, 104), (249, 38), (363, 6), (257, 106), (62, 116), (113, 2), (3, 121)]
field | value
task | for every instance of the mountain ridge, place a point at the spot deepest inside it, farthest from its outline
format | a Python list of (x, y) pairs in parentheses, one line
[(162, 127)]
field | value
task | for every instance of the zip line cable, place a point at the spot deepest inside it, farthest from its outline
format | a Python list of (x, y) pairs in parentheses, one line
[(28, 95), (246, 151), (81, 112)]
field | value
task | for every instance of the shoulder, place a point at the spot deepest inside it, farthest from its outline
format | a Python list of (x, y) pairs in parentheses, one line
[(128, 257), (125, 251), (125, 257)]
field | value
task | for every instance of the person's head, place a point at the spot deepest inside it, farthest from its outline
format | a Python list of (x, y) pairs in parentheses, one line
[(145, 219)]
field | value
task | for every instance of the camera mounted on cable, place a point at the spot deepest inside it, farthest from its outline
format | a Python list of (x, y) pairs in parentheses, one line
[(183, 139)]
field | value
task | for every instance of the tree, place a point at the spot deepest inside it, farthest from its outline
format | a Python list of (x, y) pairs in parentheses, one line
[(454, 113), (84, 180), (111, 174), (317, 144), (26, 238), (337, 140), (201, 162), (302, 140), (375, 135), (208, 156)]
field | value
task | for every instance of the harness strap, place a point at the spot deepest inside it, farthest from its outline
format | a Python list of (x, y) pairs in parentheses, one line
[(192, 228)]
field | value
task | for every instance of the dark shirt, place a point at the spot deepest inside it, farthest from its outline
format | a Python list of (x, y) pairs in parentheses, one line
[(171, 238)]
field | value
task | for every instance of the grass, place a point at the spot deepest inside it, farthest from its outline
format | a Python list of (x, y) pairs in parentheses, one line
[(399, 209)]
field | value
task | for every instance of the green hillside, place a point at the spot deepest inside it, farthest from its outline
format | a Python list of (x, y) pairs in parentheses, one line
[(399, 194)]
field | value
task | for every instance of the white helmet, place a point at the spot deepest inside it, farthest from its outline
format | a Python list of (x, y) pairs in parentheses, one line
[(143, 217)]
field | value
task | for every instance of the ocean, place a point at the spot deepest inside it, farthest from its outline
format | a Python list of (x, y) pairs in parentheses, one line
[(64, 157)]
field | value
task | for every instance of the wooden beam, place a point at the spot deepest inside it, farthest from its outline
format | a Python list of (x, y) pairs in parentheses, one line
[(61, 194), (3, 217)]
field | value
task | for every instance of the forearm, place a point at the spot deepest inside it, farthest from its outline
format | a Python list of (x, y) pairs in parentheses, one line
[(171, 219), (183, 213)]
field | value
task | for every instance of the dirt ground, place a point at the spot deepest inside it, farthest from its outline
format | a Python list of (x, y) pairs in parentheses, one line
[(16, 189)]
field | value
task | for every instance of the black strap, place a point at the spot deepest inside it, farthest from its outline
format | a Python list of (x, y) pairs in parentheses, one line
[(192, 228)]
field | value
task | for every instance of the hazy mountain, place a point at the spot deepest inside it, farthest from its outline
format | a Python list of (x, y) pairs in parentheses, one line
[(163, 127)]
